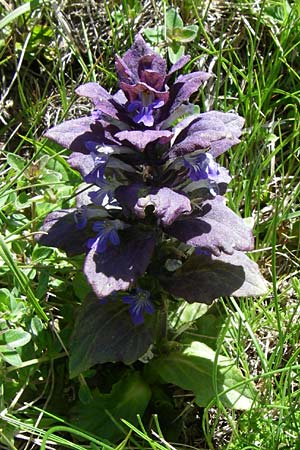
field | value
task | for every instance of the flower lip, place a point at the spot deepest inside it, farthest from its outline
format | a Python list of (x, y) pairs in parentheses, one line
[(140, 303), (104, 195), (145, 107), (201, 166), (107, 233), (144, 99)]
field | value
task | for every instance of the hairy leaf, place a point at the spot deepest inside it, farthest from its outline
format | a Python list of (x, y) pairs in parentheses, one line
[(129, 397), (215, 228), (104, 332), (197, 369), (59, 230), (205, 278), (119, 266), (73, 134)]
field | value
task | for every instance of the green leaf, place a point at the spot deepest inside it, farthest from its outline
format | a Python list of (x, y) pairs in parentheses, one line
[(23, 201), (155, 35), (129, 397), (216, 276), (12, 358), (15, 161), (175, 51), (105, 333), (187, 313), (36, 326), (20, 278), (81, 286), (186, 34), (40, 253), (15, 338), (173, 20), (196, 370), (7, 434)]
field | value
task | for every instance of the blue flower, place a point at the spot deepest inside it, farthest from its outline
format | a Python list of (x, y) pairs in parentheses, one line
[(139, 304), (96, 176), (145, 107), (104, 194), (106, 234), (201, 166)]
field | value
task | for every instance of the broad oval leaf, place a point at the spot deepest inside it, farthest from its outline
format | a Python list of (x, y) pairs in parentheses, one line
[(105, 333), (173, 20), (16, 338), (197, 370), (215, 228), (129, 397), (204, 278), (12, 358), (119, 266)]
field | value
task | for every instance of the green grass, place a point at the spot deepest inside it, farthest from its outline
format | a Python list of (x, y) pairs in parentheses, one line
[(253, 50)]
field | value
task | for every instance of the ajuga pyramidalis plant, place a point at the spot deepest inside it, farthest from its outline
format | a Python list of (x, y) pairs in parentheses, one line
[(153, 221)]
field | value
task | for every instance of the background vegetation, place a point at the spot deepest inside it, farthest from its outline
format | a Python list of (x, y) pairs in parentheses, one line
[(47, 49)]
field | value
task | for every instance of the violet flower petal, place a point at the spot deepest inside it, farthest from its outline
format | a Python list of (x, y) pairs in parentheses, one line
[(139, 304)]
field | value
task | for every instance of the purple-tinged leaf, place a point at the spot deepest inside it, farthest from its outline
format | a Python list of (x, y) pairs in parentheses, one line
[(181, 111), (214, 131), (232, 123), (139, 50), (93, 91), (183, 60), (108, 109), (168, 205), (216, 228), (136, 91), (204, 278), (153, 79), (119, 267), (140, 139), (184, 87), (127, 196), (84, 164), (73, 134), (213, 141), (104, 332), (60, 230), (123, 71), (152, 63), (204, 189)]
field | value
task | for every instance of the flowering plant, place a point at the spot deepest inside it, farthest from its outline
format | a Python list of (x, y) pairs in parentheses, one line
[(152, 217)]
